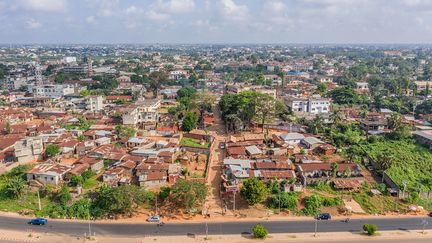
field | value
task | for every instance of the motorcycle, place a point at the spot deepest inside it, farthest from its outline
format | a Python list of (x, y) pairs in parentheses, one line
[(346, 220)]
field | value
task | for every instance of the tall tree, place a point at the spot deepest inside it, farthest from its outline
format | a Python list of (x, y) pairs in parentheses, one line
[(254, 191)]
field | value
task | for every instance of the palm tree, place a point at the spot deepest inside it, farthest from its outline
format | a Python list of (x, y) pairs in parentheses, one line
[(316, 125), (334, 168), (336, 117), (385, 160), (15, 187)]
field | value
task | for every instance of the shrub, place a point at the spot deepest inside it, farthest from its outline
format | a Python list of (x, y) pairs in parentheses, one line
[(312, 205), (287, 200), (259, 231), (370, 229)]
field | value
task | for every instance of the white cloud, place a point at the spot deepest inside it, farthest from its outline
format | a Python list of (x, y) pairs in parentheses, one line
[(44, 5), (91, 19), (157, 16), (33, 24), (176, 6), (232, 11)]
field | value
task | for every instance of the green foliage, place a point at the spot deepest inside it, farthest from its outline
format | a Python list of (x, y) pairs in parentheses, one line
[(259, 231), (52, 150), (164, 192), (409, 162), (312, 205), (191, 142), (286, 200), (14, 187), (190, 121), (424, 108), (345, 96), (104, 82), (254, 191), (370, 229), (188, 194), (122, 200), (76, 180), (248, 106), (125, 132), (63, 196), (186, 91)]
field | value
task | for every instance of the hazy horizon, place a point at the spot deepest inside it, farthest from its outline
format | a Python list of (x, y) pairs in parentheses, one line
[(216, 22)]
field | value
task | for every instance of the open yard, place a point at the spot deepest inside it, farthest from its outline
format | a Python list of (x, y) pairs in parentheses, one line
[(191, 142)]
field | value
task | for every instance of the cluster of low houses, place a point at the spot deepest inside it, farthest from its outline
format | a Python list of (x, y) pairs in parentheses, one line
[(150, 160), (292, 157)]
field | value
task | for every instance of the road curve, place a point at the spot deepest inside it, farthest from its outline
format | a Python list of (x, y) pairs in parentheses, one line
[(214, 228)]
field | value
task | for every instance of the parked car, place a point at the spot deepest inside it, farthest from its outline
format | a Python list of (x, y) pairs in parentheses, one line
[(222, 145), (38, 221), (154, 218), (323, 216)]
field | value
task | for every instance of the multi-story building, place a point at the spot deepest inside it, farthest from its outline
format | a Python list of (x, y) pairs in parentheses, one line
[(94, 103), (142, 112), (313, 105), (28, 149), (54, 91)]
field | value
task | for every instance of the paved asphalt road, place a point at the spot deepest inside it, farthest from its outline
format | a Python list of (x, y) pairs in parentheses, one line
[(239, 227)]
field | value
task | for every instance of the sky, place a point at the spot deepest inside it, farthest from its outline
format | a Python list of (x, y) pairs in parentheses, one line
[(215, 21)]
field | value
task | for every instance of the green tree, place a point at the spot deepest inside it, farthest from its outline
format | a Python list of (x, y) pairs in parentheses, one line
[(14, 187), (334, 169), (259, 231), (190, 121), (344, 96), (285, 200), (52, 150), (312, 204), (424, 108), (125, 132), (186, 91), (370, 229), (76, 180), (188, 194), (63, 196), (254, 191)]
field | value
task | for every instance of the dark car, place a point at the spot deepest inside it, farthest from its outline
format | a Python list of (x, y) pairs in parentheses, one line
[(222, 145), (38, 221), (430, 214), (323, 216)]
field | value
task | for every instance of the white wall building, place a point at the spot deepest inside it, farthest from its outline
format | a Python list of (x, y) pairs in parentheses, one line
[(313, 105), (54, 91)]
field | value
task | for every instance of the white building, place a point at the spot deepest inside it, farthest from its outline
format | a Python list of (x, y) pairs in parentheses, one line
[(28, 149), (94, 103), (312, 105), (142, 112), (69, 60), (54, 91)]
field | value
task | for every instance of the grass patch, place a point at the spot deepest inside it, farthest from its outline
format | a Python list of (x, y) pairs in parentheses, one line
[(191, 142), (90, 183)]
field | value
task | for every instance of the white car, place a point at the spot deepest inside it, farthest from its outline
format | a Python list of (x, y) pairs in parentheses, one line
[(154, 218)]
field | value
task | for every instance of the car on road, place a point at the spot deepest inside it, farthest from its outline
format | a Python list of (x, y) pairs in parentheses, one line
[(38, 221), (430, 214), (154, 218), (222, 145), (323, 216)]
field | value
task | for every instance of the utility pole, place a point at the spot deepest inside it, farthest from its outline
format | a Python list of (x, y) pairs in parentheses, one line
[(316, 227), (89, 227), (39, 201), (279, 203), (156, 206), (234, 200)]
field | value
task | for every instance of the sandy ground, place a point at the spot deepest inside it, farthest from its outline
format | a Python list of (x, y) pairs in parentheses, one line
[(409, 236)]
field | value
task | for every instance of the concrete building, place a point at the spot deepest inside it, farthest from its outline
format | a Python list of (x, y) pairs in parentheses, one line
[(28, 149), (142, 112), (46, 173), (313, 105), (53, 91), (94, 103)]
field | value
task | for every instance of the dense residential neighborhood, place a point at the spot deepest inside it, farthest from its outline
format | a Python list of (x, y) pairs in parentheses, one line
[(215, 131)]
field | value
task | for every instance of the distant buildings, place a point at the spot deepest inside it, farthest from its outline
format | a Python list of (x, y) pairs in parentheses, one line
[(28, 149), (313, 105), (54, 91), (141, 113)]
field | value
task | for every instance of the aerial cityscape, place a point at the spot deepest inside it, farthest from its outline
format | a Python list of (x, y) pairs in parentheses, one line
[(215, 121)]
